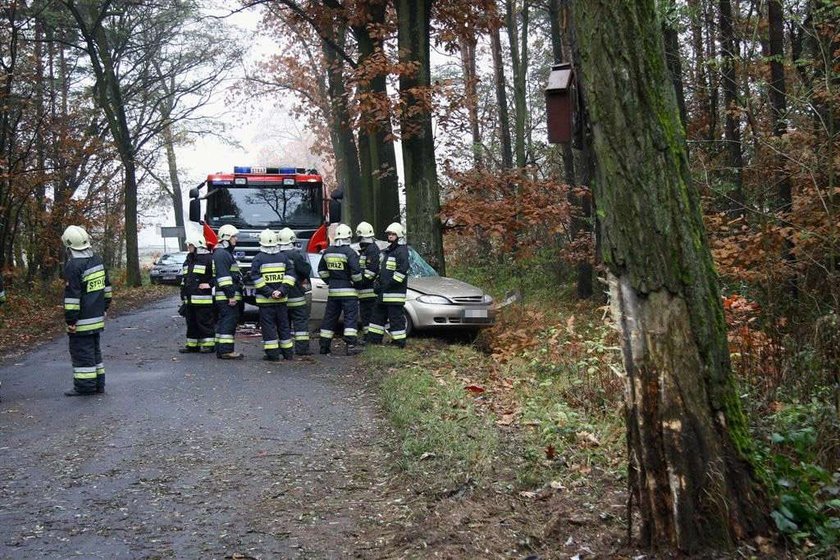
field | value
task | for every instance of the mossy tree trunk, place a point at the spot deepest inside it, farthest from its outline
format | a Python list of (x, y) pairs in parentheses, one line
[(687, 435)]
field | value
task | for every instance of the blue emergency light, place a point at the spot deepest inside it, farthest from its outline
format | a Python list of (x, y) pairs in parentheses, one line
[(248, 170)]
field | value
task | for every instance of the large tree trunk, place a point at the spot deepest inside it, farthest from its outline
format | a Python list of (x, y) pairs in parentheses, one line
[(346, 155), (501, 97), (778, 92), (467, 45), (674, 61), (418, 148), (376, 149), (686, 432), (732, 126)]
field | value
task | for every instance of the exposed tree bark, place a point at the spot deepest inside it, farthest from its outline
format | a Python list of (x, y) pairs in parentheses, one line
[(501, 97), (778, 91), (418, 149), (174, 182), (732, 127), (686, 433)]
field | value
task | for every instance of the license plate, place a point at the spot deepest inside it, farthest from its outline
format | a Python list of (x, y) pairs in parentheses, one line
[(475, 314), (169, 278)]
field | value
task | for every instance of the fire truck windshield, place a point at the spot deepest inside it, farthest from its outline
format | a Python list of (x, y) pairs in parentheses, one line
[(275, 207)]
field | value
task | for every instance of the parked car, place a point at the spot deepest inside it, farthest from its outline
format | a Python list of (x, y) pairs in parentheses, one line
[(432, 301), (167, 269)]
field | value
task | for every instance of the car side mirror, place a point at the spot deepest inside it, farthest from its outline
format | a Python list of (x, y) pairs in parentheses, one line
[(195, 209)]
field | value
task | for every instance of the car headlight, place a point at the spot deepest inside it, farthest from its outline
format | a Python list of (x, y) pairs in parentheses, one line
[(434, 300), (488, 299)]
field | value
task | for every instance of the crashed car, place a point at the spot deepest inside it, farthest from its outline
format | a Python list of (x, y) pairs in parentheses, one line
[(167, 269), (432, 301)]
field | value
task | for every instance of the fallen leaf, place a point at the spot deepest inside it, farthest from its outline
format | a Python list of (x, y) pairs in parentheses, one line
[(475, 389)]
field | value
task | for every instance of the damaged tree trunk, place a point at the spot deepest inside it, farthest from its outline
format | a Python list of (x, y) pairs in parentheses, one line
[(687, 435)]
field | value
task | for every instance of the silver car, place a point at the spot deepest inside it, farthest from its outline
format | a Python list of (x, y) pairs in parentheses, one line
[(167, 269), (432, 301)]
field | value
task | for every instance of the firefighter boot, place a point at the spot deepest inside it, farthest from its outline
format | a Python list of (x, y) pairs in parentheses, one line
[(325, 345), (351, 348)]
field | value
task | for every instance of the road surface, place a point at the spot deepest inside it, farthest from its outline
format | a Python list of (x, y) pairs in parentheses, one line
[(185, 456)]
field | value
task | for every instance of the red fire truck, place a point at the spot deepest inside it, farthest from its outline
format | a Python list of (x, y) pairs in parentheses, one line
[(256, 198)]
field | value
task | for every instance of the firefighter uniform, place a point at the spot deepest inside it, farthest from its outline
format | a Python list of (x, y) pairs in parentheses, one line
[(339, 267), (369, 263), (198, 271), (270, 273), (87, 296), (228, 286), (393, 281), (297, 305)]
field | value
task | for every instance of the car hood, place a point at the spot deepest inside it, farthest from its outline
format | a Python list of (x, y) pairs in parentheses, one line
[(442, 286)]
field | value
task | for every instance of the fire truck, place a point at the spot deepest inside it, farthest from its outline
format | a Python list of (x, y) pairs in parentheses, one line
[(256, 198)]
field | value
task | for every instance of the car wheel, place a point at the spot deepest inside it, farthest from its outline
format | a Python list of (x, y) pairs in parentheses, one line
[(409, 326)]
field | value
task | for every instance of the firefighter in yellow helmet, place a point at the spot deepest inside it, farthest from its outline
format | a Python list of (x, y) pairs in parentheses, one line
[(197, 282), (393, 282), (87, 296), (228, 292)]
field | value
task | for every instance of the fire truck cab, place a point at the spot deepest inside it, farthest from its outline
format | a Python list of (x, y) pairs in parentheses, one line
[(256, 198)]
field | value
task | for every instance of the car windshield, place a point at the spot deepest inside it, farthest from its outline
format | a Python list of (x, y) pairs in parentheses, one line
[(419, 268), (177, 258), (275, 207)]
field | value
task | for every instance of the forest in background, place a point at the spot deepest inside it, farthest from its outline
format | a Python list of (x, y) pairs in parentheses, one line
[(97, 96)]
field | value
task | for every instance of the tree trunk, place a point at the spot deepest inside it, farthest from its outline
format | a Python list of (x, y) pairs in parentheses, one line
[(418, 149), (674, 61), (732, 126), (172, 164), (519, 72), (471, 96), (346, 154), (376, 148), (778, 93), (687, 435), (501, 97)]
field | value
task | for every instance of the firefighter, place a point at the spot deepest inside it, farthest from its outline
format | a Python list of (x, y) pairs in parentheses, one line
[(197, 294), (87, 296), (393, 280), (369, 263), (272, 277), (339, 267), (296, 305), (228, 292)]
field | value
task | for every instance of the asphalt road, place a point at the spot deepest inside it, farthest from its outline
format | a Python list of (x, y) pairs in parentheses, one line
[(184, 456)]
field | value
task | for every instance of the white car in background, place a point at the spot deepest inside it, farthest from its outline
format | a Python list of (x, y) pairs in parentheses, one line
[(432, 301)]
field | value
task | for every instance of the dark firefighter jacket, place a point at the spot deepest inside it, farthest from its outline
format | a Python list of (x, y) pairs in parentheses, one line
[(369, 263), (393, 274), (301, 269), (270, 272), (198, 269), (339, 267), (228, 277), (87, 294)]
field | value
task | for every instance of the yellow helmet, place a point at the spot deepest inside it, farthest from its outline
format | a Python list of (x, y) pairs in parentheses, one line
[(75, 237), (268, 238), (227, 231), (364, 230)]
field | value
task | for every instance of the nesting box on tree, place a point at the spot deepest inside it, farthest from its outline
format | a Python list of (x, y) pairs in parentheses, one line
[(559, 103)]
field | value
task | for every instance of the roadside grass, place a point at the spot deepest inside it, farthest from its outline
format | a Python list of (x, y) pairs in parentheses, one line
[(33, 315)]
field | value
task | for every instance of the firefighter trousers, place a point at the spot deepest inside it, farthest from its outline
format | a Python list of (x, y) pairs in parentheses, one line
[(299, 323), (366, 307), (394, 316), (86, 357), (277, 336), (200, 326), (335, 306), (228, 316)]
